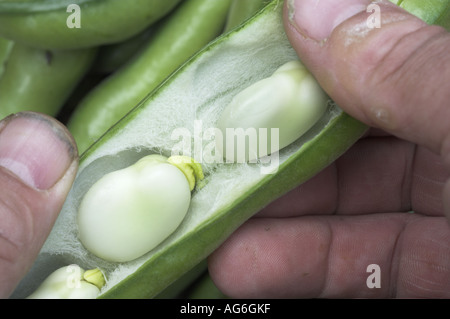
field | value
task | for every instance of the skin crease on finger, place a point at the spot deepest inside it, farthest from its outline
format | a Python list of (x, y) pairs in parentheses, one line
[(328, 257), (397, 167), (301, 255)]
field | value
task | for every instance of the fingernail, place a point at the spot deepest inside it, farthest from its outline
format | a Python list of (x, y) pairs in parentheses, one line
[(316, 19), (36, 148)]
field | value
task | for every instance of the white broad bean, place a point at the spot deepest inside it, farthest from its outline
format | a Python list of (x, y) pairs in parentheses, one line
[(290, 101), (129, 212), (70, 282)]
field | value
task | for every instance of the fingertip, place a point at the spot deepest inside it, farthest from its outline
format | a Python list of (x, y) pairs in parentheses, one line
[(36, 148)]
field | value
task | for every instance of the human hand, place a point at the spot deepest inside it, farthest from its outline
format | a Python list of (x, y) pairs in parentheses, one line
[(318, 240), (38, 163)]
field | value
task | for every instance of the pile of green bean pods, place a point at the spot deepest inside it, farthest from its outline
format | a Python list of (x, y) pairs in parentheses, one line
[(90, 63)]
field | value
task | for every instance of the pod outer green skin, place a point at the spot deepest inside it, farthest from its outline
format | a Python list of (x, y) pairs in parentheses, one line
[(242, 10), (186, 31), (178, 288), (431, 11), (44, 24), (5, 49), (204, 288), (111, 57), (41, 80)]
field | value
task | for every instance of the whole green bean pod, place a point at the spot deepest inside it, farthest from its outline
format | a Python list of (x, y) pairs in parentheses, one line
[(68, 24), (41, 80), (5, 49), (187, 30), (431, 11), (204, 288), (241, 10), (113, 56)]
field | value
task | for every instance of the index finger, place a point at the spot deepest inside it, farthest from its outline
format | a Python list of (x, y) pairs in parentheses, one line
[(394, 77)]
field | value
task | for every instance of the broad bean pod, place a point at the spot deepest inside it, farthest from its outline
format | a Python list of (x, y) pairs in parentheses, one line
[(242, 10), (5, 49), (41, 80), (204, 288), (432, 11), (185, 32), (47, 23), (113, 56)]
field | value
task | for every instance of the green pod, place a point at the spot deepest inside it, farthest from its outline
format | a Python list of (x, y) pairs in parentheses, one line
[(68, 24), (431, 11), (41, 80), (204, 288), (178, 288), (186, 31), (111, 57), (5, 49), (242, 10), (232, 193)]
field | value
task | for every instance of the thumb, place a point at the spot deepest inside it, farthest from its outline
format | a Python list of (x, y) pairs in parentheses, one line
[(38, 163), (394, 76)]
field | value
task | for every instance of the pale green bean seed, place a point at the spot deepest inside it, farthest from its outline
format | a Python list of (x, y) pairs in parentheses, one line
[(290, 101), (130, 211)]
